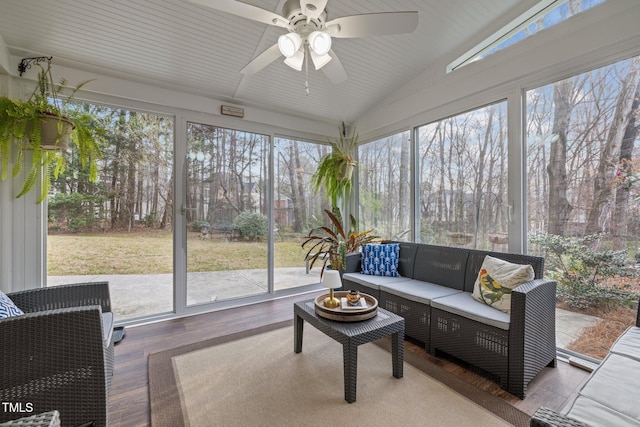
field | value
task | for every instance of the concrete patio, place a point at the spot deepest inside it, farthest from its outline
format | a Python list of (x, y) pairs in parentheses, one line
[(138, 295)]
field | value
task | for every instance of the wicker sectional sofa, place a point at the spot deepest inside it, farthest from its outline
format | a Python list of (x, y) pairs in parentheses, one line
[(433, 294), (609, 397)]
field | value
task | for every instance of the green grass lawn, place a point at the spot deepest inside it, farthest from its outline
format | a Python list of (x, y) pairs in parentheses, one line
[(151, 252)]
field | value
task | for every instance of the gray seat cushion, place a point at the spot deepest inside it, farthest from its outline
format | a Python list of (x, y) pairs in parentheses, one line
[(592, 413), (614, 386), (370, 281), (107, 328), (464, 305), (417, 290), (628, 344)]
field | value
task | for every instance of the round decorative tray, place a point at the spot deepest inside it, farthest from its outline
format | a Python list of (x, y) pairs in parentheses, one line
[(347, 314)]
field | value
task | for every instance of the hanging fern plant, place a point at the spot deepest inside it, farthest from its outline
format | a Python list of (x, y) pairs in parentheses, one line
[(335, 170), (43, 125)]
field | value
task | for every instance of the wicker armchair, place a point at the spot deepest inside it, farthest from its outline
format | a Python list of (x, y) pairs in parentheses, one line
[(59, 355)]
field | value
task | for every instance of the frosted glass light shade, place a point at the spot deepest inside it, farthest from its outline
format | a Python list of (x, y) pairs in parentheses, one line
[(295, 61), (320, 61), (289, 44), (320, 42)]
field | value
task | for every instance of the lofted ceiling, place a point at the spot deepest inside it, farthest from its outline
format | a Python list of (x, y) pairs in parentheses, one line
[(181, 45)]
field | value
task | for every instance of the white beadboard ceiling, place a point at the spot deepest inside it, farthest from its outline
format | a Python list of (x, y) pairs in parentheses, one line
[(191, 48)]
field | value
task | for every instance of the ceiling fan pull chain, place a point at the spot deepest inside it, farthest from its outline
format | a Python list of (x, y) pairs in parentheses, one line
[(306, 70)]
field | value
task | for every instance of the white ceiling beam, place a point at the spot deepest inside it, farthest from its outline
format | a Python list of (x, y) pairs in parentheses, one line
[(5, 63), (544, 6)]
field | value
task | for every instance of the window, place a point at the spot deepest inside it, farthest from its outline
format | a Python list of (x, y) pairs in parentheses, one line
[(545, 14), (384, 186), (462, 173), (583, 204)]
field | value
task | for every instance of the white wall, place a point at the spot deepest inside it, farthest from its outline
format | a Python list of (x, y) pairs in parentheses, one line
[(22, 224), (4, 58)]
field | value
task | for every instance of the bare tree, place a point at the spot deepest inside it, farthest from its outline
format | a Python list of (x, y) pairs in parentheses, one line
[(559, 206), (620, 216), (602, 191)]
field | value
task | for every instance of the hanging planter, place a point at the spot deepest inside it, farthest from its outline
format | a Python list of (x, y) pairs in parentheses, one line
[(55, 132), (41, 129), (335, 170), (346, 172)]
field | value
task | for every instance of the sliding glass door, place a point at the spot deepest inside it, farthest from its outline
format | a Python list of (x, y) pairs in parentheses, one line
[(226, 213), (296, 210), (118, 229)]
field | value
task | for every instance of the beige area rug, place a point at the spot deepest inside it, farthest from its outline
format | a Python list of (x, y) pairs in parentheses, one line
[(255, 379)]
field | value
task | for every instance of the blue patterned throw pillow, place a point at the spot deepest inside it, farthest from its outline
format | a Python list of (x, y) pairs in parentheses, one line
[(7, 307), (380, 259)]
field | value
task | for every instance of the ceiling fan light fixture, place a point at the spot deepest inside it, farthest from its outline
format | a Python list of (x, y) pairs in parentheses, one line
[(320, 61), (295, 61), (289, 44), (320, 42)]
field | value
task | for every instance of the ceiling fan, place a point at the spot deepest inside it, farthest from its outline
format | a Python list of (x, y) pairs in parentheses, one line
[(310, 34)]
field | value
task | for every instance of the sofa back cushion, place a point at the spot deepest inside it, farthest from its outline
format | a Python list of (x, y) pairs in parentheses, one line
[(407, 259), (476, 258), (442, 265)]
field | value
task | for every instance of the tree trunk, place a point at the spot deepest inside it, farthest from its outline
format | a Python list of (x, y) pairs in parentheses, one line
[(403, 190), (559, 206), (620, 214), (601, 187), (293, 180)]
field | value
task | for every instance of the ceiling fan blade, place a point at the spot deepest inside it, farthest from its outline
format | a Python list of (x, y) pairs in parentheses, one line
[(245, 10), (334, 69), (262, 60), (373, 24), (312, 8)]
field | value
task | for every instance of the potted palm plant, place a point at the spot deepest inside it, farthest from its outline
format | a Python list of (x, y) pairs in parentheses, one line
[(335, 169), (332, 244), (44, 125)]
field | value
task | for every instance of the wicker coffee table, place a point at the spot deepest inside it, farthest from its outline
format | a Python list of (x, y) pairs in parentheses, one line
[(351, 335)]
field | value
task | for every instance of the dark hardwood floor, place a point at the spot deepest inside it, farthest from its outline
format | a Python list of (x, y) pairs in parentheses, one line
[(129, 398)]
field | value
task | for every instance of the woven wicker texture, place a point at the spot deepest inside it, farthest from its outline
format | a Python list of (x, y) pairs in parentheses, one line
[(351, 335), (545, 417), (46, 419), (54, 356), (415, 314), (512, 357)]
